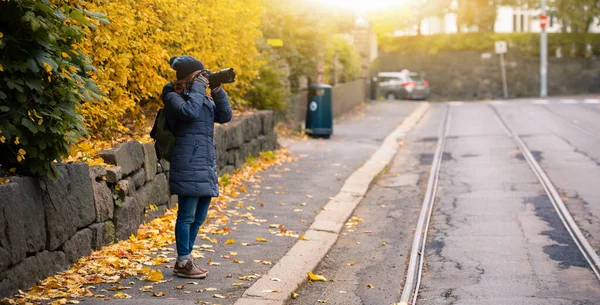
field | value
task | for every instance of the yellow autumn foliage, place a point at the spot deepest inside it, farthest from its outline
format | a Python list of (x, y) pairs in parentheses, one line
[(131, 53)]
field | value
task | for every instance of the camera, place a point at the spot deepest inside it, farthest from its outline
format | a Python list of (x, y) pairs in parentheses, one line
[(225, 76)]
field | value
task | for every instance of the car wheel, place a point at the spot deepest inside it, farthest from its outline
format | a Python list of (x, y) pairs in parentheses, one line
[(390, 96)]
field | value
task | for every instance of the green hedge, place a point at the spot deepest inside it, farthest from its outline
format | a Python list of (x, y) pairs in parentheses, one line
[(44, 80), (572, 45)]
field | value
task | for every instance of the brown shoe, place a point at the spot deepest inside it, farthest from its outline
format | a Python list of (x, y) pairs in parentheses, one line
[(189, 269)]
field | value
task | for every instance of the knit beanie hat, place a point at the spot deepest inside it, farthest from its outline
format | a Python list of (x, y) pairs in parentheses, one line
[(185, 65)]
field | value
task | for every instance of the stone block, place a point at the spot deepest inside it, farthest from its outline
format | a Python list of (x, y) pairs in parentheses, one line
[(268, 142), (129, 156), (219, 139), (22, 220), (267, 122), (103, 200), (30, 270), (114, 174), (97, 172), (150, 166), (154, 192), (173, 200), (128, 217), (165, 165), (244, 152), (234, 135), (97, 235), (125, 188), (68, 203), (139, 178), (255, 147), (252, 126), (77, 246), (234, 158)]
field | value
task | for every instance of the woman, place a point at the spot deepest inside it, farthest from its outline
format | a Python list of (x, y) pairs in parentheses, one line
[(193, 177)]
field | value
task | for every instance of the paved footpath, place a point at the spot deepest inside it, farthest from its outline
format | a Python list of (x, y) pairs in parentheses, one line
[(292, 195)]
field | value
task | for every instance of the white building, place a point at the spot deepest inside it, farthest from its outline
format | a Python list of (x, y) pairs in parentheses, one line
[(508, 20)]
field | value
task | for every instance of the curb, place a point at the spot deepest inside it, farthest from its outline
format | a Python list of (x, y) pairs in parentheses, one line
[(292, 269)]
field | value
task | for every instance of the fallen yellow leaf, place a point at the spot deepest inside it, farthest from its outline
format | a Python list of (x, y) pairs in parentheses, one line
[(230, 241), (303, 238), (154, 276), (315, 277), (262, 240), (370, 286), (121, 295), (295, 295), (219, 296)]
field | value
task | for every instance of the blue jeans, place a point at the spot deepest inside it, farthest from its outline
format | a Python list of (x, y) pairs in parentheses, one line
[(191, 214)]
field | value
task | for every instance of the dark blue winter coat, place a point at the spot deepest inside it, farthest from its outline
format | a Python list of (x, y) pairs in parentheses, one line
[(191, 117)]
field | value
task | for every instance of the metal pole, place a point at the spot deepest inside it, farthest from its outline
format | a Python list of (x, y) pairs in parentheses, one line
[(544, 57), (503, 68)]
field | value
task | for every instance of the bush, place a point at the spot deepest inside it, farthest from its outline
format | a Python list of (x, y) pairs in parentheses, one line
[(132, 54), (45, 76), (268, 90), (571, 44)]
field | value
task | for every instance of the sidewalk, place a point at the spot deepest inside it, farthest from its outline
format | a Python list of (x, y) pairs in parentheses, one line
[(285, 200)]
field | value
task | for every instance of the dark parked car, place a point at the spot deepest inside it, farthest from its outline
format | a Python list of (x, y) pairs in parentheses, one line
[(403, 85)]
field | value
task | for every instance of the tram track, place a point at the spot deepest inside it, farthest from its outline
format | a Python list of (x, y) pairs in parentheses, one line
[(414, 270), (417, 254), (570, 225)]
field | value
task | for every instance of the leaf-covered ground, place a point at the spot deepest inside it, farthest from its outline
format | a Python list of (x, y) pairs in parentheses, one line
[(137, 258)]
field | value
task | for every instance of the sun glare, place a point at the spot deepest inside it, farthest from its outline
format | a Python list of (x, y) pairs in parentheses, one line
[(362, 4)]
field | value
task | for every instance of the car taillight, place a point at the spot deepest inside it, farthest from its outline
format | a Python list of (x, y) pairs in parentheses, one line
[(425, 83), (409, 84)]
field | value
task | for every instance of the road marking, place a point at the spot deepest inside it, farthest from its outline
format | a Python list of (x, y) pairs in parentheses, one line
[(563, 213), (591, 101), (325, 229), (568, 101), (497, 102), (417, 253), (456, 103), (540, 102)]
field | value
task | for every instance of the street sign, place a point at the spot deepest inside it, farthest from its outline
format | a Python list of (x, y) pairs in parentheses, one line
[(275, 42), (543, 21), (500, 47)]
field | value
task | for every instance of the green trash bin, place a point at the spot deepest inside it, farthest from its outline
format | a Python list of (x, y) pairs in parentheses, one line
[(319, 113)]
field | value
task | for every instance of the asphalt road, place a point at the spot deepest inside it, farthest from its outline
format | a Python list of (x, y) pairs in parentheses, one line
[(494, 236)]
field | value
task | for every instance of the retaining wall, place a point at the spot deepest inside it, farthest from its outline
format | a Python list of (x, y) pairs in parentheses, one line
[(45, 225), (472, 75)]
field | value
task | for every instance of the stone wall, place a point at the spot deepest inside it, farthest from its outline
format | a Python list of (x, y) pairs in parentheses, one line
[(470, 75), (46, 225), (345, 97)]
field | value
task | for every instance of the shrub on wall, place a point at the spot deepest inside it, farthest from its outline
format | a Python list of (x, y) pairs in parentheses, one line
[(44, 79), (571, 44)]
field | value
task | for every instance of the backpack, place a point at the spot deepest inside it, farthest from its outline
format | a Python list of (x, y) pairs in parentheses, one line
[(164, 139)]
